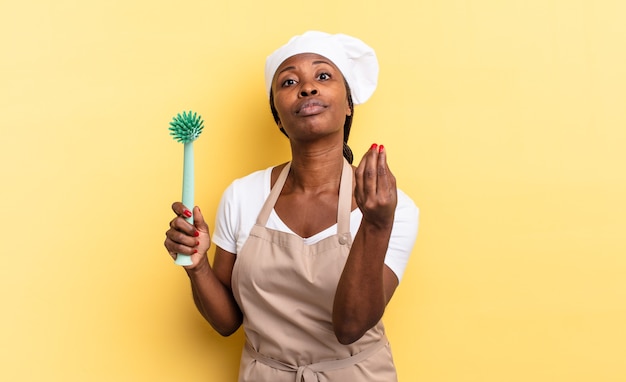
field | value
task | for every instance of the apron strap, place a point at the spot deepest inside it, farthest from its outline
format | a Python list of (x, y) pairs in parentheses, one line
[(307, 373), (273, 196), (344, 208)]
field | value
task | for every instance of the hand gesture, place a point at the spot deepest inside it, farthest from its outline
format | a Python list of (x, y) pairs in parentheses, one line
[(375, 190)]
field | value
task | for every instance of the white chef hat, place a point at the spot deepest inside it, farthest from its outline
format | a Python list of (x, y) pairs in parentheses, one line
[(356, 60)]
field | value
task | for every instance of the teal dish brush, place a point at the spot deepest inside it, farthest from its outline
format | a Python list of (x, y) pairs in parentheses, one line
[(185, 128)]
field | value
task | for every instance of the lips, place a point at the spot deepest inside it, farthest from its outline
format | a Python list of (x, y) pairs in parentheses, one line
[(310, 107)]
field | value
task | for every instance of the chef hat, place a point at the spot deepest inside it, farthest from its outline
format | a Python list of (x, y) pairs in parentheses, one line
[(356, 60)]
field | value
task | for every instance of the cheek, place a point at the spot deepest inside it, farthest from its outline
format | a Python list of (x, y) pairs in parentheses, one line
[(348, 110), (281, 110), (278, 104)]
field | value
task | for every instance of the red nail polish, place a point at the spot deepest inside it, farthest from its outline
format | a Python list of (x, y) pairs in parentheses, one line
[(374, 146), (196, 234), (187, 213), (195, 251), (197, 243), (381, 148)]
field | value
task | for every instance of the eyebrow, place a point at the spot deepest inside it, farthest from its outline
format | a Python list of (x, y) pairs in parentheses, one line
[(316, 62)]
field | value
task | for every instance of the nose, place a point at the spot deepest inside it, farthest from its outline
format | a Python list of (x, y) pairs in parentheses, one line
[(307, 89)]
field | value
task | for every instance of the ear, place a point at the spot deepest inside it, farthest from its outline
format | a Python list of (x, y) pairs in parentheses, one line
[(348, 109)]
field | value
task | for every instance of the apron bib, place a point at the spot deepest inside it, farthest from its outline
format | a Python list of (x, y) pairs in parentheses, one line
[(286, 289)]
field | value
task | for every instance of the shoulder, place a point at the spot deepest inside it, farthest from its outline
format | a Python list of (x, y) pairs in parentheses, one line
[(406, 218), (403, 234), (238, 208), (257, 178), (247, 187), (406, 206)]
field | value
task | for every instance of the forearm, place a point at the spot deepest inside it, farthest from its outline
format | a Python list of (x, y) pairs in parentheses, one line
[(363, 289), (214, 300)]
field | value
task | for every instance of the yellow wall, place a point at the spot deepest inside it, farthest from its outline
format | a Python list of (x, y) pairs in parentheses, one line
[(504, 120)]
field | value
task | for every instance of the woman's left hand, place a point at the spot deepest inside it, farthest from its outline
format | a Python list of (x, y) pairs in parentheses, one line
[(375, 190)]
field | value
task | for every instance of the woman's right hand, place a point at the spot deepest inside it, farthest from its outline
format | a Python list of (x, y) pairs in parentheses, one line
[(188, 239)]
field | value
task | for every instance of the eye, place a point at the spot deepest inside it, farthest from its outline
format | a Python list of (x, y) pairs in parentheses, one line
[(288, 82), (323, 76)]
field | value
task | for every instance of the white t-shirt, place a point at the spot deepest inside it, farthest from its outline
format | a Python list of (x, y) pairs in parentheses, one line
[(243, 199)]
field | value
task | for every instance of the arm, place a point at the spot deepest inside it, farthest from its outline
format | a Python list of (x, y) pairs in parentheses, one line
[(210, 285), (367, 284), (213, 295)]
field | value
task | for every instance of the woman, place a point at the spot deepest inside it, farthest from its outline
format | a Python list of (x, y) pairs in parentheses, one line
[(308, 253)]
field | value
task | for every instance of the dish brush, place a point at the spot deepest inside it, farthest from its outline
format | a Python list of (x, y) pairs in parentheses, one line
[(185, 128)]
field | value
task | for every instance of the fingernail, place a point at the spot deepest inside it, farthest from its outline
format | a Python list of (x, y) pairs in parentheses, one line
[(195, 251), (374, 146), (187, 213), (197, 243), (196, 234), (381, 148)]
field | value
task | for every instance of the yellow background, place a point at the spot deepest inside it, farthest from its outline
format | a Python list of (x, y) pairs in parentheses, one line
[(504, 120)]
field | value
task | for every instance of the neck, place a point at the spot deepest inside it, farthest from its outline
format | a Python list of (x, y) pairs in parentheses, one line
[(316, 169)]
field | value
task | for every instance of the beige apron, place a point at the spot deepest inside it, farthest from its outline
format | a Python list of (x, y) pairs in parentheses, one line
[(286, 289)]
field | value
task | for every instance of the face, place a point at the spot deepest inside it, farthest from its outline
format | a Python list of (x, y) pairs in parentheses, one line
[(310, 96)]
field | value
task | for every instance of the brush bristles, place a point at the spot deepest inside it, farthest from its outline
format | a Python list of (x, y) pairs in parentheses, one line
[(187, 127)]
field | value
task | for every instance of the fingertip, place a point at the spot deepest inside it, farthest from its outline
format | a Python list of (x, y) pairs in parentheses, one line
[(382, 155), (178, 208), (198, 218)]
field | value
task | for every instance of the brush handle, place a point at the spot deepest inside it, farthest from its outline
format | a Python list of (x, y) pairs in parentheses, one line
[(188, 194)]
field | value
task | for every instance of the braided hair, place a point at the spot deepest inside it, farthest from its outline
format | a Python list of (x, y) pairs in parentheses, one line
[(347, 151)]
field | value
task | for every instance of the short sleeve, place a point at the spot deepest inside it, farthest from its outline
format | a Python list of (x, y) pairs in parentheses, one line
[(239, 208), (403, 235), (224, 234)]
